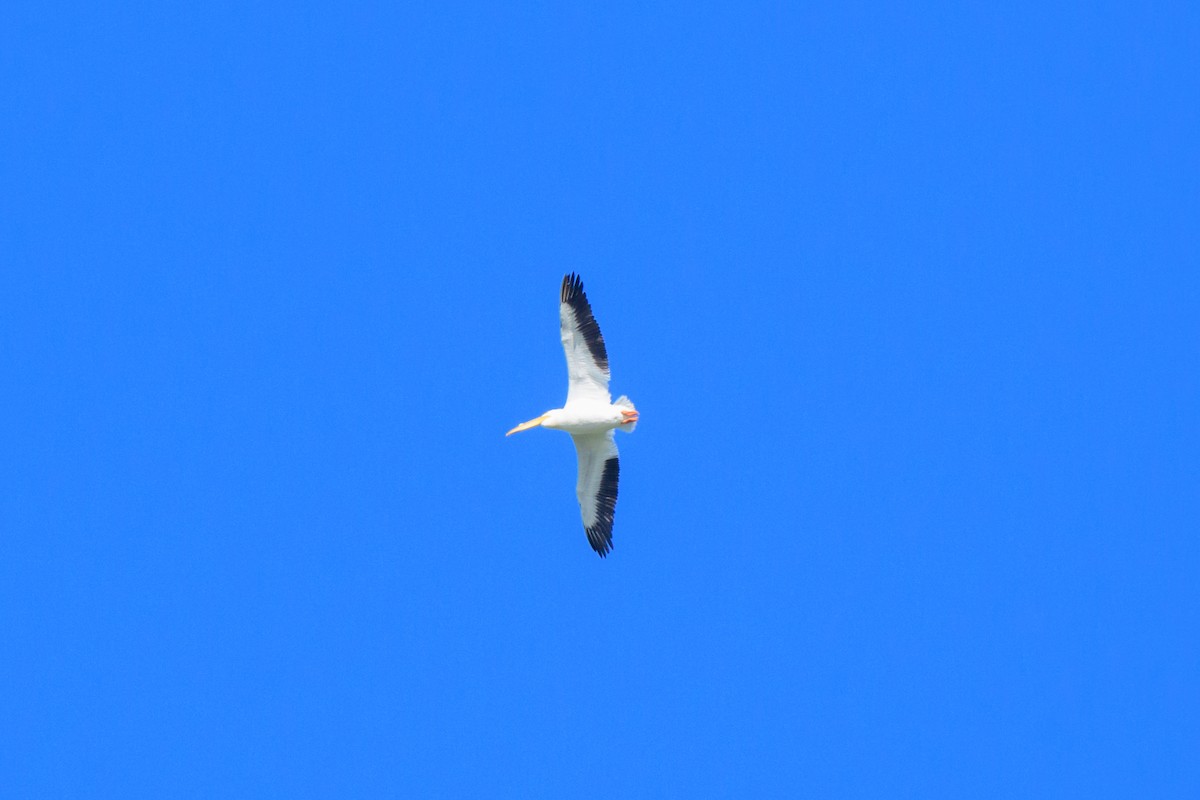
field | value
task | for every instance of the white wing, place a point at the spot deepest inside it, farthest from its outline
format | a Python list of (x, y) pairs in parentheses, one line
[(587, 360), (597, 487)]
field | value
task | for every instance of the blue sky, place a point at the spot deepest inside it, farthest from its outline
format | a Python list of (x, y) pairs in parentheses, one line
[(906, 297)]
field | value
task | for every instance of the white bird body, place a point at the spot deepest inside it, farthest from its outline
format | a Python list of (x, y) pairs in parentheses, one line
[(584, 417), (589, 415)]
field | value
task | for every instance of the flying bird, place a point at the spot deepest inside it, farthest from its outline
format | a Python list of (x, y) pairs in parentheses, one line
[(589, 415)]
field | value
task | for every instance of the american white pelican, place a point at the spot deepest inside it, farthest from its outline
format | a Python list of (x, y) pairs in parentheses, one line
[(589, 415)]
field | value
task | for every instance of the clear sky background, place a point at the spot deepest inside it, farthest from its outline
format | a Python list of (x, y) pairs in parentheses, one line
[(907, 298)]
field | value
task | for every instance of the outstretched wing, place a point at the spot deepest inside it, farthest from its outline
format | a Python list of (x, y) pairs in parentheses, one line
[(597, 487), (587, 360)]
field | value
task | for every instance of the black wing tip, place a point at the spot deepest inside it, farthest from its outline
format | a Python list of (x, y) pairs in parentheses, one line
[(601, 541), (574, 296), (600, 538), (572, 287), (600, 535)]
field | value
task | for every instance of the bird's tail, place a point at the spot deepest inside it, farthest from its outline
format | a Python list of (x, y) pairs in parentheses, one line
[(624, 402)]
